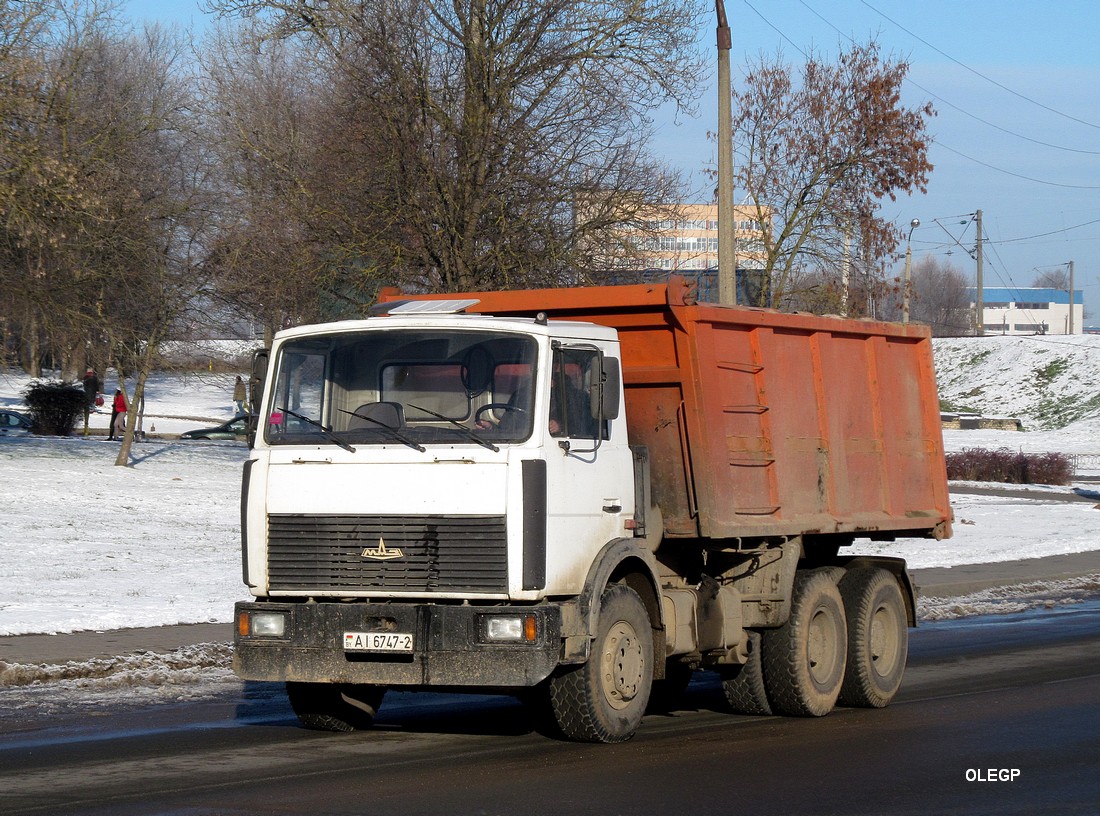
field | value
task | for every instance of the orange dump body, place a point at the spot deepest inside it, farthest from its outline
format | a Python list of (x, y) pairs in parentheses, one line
[(761, 423)]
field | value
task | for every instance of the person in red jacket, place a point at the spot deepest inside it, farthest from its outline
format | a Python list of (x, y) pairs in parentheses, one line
[(119, 407)]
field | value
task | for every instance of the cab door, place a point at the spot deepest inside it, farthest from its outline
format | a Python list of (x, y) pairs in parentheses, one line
[(589, 468)]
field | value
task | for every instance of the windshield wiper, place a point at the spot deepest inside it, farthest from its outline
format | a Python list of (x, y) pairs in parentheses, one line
[(396, 434), (466, 432), (329, 435)]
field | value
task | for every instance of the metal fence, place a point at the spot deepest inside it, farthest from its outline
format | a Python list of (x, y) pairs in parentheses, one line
[(1085, 464)]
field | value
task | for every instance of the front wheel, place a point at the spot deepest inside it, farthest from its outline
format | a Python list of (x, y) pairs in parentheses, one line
[(604, 699), (335, 706)]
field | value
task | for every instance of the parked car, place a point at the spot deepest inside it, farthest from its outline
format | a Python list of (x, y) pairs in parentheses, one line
[(236, 428), (13, 422)]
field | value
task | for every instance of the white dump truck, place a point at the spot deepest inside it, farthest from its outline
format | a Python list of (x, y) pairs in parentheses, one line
[(580, 493)]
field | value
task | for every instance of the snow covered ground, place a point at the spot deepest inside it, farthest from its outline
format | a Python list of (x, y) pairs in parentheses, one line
[(86, 545)]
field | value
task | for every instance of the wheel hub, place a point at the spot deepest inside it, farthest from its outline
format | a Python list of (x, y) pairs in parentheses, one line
[(623, 665)]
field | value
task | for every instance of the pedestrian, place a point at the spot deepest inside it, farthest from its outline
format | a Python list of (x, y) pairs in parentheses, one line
[(239, 396), (118, 407), (92, 386)]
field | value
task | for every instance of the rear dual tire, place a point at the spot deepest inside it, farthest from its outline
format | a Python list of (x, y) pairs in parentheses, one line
[(845, 642), (878, 637), (803, 661)]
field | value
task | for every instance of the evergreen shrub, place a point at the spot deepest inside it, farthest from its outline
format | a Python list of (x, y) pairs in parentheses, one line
[(54, 406)]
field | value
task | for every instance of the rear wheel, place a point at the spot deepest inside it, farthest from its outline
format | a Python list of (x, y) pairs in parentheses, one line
[(744, 685), (335, 706), (803, 660), (878, 637), (604, 699)]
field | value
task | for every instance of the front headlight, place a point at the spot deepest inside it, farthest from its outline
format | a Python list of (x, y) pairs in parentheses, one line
[(510, 628), (261, 624)]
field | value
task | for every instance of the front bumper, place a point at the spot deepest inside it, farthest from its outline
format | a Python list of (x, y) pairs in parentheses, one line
[(449, 647)]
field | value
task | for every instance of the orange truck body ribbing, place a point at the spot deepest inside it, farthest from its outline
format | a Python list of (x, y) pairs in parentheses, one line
[(762, 423)]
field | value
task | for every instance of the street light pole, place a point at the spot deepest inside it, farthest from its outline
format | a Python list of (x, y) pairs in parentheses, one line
[(908, 271), (727, 257), (979, 307)]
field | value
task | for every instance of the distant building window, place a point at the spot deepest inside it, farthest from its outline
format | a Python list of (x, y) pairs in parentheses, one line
[(1032, 306), (1030, 327), (997, 305)]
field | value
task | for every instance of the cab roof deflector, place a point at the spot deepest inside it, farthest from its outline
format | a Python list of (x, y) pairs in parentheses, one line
[(422, 307)]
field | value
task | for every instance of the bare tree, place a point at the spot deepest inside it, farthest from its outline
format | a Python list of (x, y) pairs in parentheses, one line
[(817, 154), (939, 296), (487, 143), (42, 198), (1054, 278), (153, 173), (267, 111), (100, 190)]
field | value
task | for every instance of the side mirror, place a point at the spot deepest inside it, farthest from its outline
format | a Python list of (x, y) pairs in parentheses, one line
[(604, 395), (256, 382), (256, 390)]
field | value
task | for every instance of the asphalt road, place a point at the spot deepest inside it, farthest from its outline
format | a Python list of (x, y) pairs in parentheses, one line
[(997, 715)]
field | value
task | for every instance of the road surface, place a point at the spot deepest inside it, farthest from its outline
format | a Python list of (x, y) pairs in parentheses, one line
[(997, 715)]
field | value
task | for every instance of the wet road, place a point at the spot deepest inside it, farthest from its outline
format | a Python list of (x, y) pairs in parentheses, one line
[(997, 715)]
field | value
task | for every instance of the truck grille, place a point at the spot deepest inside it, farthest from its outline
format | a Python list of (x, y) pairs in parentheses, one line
[(357, 553)]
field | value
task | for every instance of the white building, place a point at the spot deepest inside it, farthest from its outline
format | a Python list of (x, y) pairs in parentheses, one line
[(1030, 311)]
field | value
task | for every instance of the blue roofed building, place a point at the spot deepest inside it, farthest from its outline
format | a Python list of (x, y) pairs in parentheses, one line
[(1021, 310)]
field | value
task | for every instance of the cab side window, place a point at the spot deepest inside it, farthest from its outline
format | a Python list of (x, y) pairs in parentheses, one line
[(570, 395)]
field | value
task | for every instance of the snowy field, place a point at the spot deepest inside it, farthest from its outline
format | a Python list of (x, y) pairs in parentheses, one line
[(86, 545)]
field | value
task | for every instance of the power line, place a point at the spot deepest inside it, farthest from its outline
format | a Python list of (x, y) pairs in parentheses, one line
[(979, 73), (769, 24), (1052, 232), (995, 126), (1018, 175), (949, 104)]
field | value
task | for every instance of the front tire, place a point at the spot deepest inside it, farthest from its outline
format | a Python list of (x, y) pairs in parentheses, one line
[(604, 699), (804, 659), (339, 707), (878, 637)]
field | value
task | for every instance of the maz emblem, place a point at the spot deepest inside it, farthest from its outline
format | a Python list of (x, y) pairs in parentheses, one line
[(381, 552)]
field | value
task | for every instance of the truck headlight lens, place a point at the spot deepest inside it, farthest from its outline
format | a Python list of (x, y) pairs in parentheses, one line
[(268, 624), (511, 628)]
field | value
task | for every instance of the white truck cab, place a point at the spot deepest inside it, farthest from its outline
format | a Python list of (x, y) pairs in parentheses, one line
[(399, 525)]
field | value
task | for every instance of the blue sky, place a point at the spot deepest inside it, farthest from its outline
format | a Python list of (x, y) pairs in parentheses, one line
[(1029, 68)]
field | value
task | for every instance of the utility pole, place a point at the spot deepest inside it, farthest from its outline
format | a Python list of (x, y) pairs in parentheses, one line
[(979, 306), (1071, 297), (727, 252)]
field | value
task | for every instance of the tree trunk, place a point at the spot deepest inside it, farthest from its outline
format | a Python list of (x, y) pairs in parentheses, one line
[(135, 406)]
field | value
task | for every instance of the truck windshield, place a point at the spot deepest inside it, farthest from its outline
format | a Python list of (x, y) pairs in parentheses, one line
[(403, 387)]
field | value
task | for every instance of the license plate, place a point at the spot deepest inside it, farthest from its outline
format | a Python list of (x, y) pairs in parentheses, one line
[(378, 642)]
